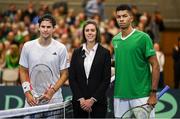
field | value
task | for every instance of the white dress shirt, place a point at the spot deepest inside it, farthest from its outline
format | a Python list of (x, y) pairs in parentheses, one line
[(89, 58)]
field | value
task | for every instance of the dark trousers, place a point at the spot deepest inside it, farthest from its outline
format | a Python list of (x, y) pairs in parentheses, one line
[(98, 110)]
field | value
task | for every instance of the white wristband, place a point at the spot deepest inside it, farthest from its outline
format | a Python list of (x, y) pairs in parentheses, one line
[(26, 86)]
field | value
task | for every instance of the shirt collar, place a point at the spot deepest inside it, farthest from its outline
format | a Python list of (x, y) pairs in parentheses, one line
[(93, 49), (124, 38)]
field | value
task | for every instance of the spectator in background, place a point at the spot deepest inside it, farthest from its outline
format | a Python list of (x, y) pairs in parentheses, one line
[(148, 25), (159, 24), (27, 20), (176, 58), (64, 39), (81, 18), (18, 16), (136, 15), (2, 55), (30, 11), (155, 28), (89, 75), (111, 30), (142, 23), (12, 57), (10, 37), (84, 2), (45, 8), (7, 45), (2, 35), (62, 7), (161, 60), (10, 13), (159, 21), (2, 59), (95, 7), (33, 31), (62, 27), (71, 17), (75, 43)]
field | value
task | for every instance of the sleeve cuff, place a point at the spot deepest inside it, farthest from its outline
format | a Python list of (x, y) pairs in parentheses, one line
[(80, 99), (94, 99)]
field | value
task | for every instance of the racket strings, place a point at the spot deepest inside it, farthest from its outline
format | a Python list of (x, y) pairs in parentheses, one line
[(41, 81), (140, 112), (41, 78)]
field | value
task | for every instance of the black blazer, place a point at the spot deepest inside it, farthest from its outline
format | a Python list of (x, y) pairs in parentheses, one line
[(99, 77)]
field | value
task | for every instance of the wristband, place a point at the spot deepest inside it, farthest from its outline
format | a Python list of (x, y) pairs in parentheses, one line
[(26, 86), (153, 90)]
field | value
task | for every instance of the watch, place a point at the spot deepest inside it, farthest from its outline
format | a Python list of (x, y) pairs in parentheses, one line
[(153, 90)]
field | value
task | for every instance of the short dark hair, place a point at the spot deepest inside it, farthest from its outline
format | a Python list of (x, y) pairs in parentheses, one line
[(47, 17), (123, 7), (90, 21)]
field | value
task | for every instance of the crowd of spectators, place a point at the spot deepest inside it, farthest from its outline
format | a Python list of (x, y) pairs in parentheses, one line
[(18, 26)]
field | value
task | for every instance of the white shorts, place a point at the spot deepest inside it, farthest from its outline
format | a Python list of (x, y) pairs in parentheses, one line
[(122, 105)]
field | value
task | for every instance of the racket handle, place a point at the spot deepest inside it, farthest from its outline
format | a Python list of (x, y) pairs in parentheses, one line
[(163, 91)]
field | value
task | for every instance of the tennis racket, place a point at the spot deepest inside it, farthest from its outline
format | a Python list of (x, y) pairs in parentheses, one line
[(142, 111), (41, 78)]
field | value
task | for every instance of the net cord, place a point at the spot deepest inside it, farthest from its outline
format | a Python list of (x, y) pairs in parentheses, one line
[(33, 110)]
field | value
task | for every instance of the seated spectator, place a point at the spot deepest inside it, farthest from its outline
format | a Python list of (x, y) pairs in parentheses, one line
[(2, 59), (12, 57), (94, 7), (161, 60)]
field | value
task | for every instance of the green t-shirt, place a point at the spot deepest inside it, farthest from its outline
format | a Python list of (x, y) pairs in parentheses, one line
[(12, 62), (132, 69)]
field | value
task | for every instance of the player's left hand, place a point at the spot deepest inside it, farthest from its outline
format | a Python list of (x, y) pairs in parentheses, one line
[(47, 96)]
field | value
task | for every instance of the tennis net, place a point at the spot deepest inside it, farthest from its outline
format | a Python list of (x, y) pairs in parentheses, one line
[(57, 110)]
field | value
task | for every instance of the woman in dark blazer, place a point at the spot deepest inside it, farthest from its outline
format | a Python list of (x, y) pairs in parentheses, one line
[(89, 75)]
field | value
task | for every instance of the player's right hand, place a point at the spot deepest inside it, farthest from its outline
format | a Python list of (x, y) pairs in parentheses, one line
[(30, 99)]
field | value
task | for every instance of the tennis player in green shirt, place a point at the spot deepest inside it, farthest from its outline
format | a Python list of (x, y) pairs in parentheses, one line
[(134, 83)]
